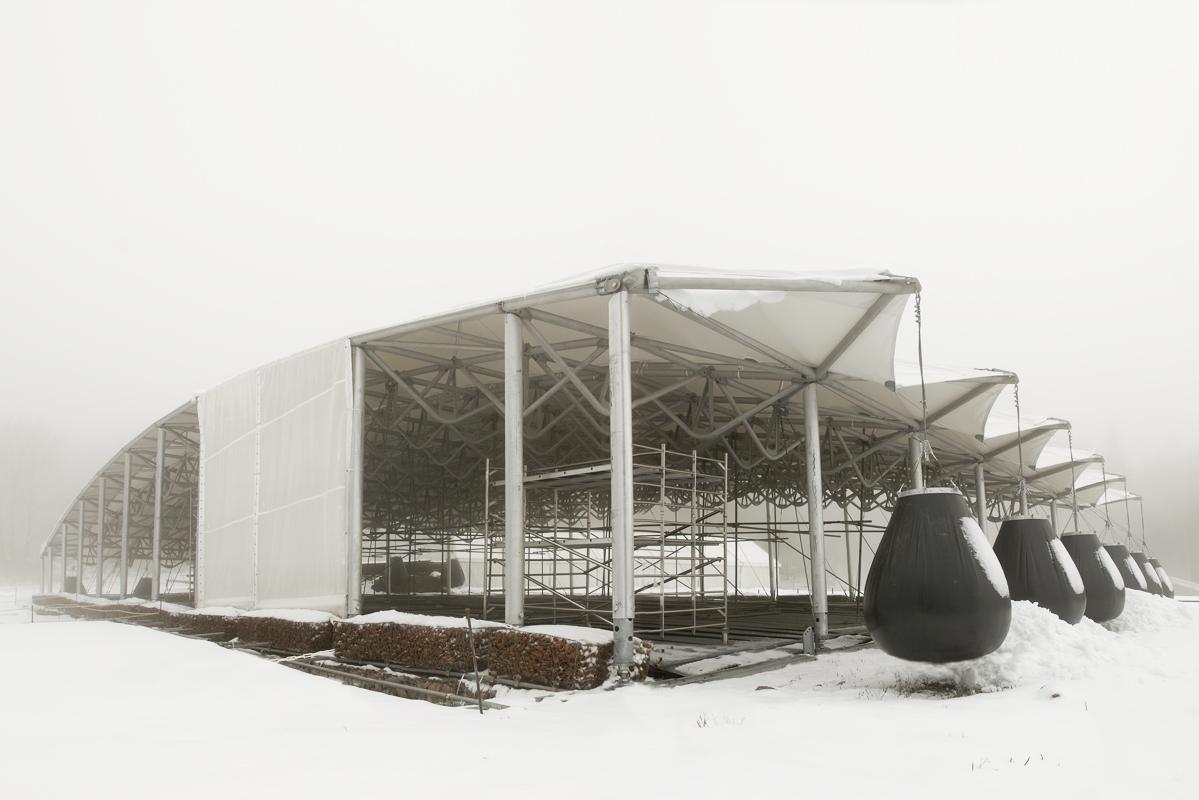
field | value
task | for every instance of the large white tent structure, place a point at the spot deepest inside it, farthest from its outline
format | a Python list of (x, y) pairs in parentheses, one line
[(603, 450)]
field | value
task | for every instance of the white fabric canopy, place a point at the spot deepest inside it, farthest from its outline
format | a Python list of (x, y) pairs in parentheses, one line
[(844, 322), (806, 327)]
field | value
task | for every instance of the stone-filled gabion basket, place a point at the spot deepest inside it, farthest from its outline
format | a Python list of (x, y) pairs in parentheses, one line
[(215, 627), (285, 634), (417, 646), (561, 662), (554, 657)]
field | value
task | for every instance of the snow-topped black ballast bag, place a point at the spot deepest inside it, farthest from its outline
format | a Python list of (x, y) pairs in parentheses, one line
[(1151, 577), (1100, 577), (1038, 568), (935, 591), (1129, 571), (1167, 584)]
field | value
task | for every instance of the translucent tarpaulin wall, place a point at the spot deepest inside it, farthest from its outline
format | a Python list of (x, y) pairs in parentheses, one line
[(274, 445)]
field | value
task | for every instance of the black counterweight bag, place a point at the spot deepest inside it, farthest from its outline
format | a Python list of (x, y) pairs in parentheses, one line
[(1131, 574), (1151, 577), (1167, 584), (1039, 569), (935, 591), (1100, 576)]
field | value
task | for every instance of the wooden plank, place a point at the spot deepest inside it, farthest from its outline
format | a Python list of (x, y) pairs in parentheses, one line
[(737, 672), (748, 647)]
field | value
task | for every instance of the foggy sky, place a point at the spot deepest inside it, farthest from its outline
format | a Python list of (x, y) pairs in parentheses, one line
[(189, 190)]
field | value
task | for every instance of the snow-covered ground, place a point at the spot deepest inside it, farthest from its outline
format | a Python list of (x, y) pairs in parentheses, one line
[(96, 709), (15, 603)]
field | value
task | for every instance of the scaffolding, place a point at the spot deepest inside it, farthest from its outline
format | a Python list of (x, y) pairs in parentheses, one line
[(680, 543)]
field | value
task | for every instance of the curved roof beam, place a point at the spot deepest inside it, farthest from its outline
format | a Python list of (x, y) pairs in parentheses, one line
[(176, 423)]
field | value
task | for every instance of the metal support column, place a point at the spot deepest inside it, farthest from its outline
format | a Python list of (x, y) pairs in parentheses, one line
[(916, 461), (1073, 492), (354, 485), (514, 472), (79, 554), (980, 495), (62, 547), (103, 484), (156, 549), (1053, 515), (125, 525), (620, 442), (815, 510)]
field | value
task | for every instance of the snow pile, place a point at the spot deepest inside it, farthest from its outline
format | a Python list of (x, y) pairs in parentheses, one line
[(844, 641), (1039, 647), (1148, 613)]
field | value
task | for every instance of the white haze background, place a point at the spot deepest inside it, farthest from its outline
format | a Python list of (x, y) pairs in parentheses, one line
[(190, 189)]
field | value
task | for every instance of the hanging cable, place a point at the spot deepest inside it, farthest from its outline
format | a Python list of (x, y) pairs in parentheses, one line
[(1128, 514), (1141, 507), (1107, 507), (920, 362), (923, 446), (1021, 487)]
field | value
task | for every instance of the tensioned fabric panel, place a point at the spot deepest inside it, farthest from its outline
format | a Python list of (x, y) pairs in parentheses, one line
[(303, 450), (805, 326), (228, 458), (277, 506)]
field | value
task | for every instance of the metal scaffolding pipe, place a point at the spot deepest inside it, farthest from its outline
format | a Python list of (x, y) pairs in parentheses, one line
[(156, 549), (125, 525), (1123, 480), (980, 494), (355, 483), (916, 461), (514, 472), (103, 484), (816, 510), (79, 554), (62, 534), (620, 430)]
